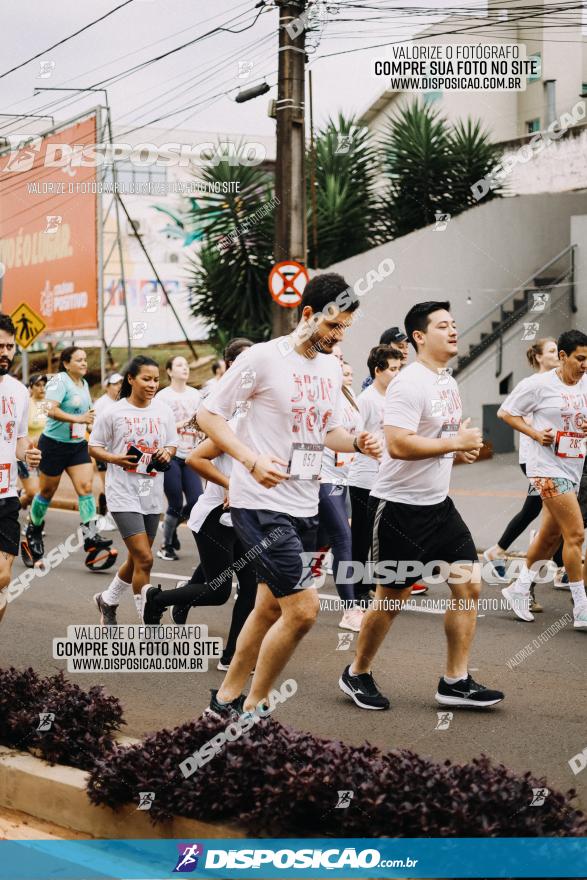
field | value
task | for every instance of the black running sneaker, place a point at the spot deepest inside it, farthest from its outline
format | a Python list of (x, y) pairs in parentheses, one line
[(179, 613), (32, 546), (467, 692), (152, 610), (363, 690), (107, 612), (224, 710)]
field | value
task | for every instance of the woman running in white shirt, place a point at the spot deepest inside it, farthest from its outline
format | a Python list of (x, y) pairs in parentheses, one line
[(179, 481), (556, 402), (137, 438)]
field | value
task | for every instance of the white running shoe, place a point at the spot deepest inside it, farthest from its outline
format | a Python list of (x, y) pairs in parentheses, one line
[(561, 579), (580, 615), (518, 602), (352, 618), (106, 523)]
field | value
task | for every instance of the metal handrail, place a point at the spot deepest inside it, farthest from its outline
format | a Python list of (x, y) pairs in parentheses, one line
[(512, 293)]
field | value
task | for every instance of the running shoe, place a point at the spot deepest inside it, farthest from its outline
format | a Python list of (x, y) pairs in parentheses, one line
[(467, 692), (418, 589), (224, 710), (535, 606), (223, 664), (352, 618), (580, 615), (167, 553), (107, 612), (106, 523), (32, 547), (518, 602), (561, 580), (497, 568), (152, 611), (362, 690)]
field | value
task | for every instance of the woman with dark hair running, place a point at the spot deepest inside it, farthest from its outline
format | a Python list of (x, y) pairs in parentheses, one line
[(179, 481), (542, 357), (137, 438), (220, 551), (64, 447)]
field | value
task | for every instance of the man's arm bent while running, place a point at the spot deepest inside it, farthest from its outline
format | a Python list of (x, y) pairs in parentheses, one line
[(407, 445)]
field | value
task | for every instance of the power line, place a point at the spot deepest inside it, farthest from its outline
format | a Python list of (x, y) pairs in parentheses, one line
[(65, 39)]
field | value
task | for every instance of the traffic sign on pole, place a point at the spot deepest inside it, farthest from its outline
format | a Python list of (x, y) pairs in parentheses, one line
[(286, 283), (28, 324)]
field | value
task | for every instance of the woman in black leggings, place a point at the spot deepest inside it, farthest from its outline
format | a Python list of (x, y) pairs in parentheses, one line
[(542, 356), (221, 553)]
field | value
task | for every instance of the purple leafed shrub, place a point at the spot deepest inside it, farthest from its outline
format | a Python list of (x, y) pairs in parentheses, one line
[(285, 782), (81, 729)]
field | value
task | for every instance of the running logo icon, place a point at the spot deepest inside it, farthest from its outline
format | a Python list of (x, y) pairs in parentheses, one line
[(539, 796), (187, 861)]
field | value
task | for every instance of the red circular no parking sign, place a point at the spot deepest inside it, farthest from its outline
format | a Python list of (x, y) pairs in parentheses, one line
[(286, 283)]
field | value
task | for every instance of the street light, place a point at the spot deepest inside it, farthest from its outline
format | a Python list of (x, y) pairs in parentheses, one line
[(253, 92)]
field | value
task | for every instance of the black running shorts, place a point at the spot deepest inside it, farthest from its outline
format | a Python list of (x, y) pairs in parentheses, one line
[(418, 533), (57, 456), (9, 525)]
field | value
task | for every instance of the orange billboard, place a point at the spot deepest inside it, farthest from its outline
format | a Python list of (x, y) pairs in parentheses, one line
[(48, 235)]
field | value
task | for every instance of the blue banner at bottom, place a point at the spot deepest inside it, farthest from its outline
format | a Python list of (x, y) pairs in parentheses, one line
[(286, 858)]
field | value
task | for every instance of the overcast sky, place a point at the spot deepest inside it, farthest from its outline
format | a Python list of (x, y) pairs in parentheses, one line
[(205, 73)]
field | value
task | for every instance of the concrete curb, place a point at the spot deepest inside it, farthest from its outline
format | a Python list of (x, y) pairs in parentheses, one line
[(58, 794)]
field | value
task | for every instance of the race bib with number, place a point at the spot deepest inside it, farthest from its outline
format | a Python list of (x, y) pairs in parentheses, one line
[(77, 430), (449, 429), (305, 461), (141, 465), (569, 445), (4, 478)]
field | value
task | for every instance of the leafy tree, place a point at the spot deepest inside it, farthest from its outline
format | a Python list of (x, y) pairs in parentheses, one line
[(228, 275), (346, 205)]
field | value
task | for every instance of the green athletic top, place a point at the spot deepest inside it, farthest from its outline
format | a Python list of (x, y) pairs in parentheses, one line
[(73, 399)]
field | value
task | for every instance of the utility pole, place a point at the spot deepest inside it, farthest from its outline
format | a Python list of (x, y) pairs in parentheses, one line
[(290, 172)]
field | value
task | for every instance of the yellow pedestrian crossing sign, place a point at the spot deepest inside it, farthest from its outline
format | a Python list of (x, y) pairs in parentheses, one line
[(28, 325)]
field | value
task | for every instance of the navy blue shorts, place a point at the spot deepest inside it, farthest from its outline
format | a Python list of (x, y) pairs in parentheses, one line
[(274, 543)]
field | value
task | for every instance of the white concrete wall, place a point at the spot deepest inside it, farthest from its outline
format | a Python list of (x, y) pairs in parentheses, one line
[(483, 254)]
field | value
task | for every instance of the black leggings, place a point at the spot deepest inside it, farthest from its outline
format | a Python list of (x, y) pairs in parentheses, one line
[(531, 508), (219, 549)]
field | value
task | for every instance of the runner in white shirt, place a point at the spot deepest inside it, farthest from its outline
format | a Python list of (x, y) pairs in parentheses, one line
[(112, 385), (14, 445), (221, 553), (136, 437), (542, 356), (384, 363), (286, 395), (180, 481), (557, 404), (416, 523)]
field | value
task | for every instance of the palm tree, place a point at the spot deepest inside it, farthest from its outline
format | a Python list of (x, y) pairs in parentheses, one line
[(416, 160), (345, 192), (431, 167), (228, 275)]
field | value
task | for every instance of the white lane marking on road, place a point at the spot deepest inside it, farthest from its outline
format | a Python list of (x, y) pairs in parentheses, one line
[(171, 577)]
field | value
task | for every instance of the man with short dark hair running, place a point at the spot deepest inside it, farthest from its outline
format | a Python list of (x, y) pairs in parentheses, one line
[(415, 520), (286, 395)]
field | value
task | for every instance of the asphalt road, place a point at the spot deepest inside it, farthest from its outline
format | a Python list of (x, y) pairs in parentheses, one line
[(539, 727)]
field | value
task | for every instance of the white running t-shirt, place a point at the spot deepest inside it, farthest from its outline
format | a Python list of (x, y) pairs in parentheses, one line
[(364, 469), (336, 466), (184, 406), (552, 404), (14, 417), (429, 404), (278, 401), (148, 428), (102, 404), (212, 496)]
